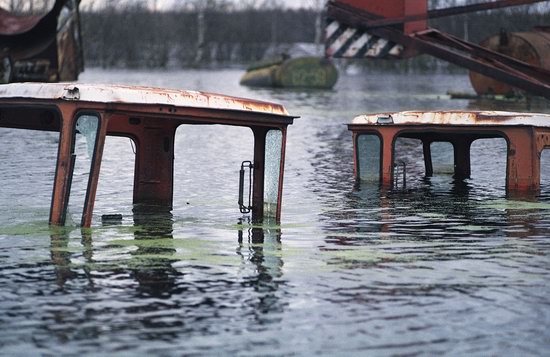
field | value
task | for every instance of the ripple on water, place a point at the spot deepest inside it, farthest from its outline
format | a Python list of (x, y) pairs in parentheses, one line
[(442, 267)]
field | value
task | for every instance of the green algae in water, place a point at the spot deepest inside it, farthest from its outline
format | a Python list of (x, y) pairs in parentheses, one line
[(162, 243), (68, 249), (193, 250), (33, 228), (268, 226), (473, 228), (431, 215), (515, 205), (345, 257)]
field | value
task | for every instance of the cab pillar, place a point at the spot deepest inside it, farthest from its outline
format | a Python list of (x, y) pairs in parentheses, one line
[(462, 166), (388, 137), (427, 151), (154, 171), (523, 168), (63, 171), (259, 174), (94, 172)]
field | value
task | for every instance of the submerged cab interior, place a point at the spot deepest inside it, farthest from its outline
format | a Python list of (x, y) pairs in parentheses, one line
[(84, 115), (375, 137)]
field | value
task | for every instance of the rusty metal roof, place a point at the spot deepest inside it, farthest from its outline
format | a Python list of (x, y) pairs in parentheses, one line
[(471, 118), (122, 94)]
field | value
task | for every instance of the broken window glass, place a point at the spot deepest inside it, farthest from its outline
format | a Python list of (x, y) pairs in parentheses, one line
[(368, 153), (273, 147), (87, 127), (84, 143)]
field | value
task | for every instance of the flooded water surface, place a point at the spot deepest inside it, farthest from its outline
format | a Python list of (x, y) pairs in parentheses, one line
[(441, 267)]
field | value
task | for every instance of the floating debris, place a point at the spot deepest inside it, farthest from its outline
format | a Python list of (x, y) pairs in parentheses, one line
[(303, 72)]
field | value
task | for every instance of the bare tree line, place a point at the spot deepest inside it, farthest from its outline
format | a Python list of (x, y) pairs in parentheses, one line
[(27, 6), (134, 33), (139, 37)]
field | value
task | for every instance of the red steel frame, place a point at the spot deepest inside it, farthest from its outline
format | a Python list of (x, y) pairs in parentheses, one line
[(376, 17), (525, 144), (153, 128)]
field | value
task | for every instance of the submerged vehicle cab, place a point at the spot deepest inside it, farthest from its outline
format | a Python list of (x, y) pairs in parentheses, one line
[(150, 117), (375, 136)]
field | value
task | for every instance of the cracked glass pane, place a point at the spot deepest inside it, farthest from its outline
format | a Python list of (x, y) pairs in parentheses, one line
[(85, 135), (273, 147), (368, 153)]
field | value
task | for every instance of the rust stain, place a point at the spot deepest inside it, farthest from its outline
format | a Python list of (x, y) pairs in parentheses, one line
[(124, 94), (455, 118), (11, 24), (527, 134)]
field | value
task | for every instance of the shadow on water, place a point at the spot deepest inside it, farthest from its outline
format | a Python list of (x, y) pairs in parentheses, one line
[(174, 293), (61, 256), (155, 274), (443, 266), (262, 248)]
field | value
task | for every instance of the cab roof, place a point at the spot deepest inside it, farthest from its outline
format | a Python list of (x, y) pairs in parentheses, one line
[(470, 118), (123, 94)]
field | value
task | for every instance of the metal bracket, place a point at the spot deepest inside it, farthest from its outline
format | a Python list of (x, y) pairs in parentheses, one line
[(245, 165), (71, 93), (396, 174)]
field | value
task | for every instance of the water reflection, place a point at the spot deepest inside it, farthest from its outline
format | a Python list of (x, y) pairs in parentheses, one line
[(153, 270), (61, 255), (448, 266), (262, 248)]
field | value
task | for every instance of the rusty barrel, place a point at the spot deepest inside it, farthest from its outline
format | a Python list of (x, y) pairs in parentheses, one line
[(301, 72), (532, 47)]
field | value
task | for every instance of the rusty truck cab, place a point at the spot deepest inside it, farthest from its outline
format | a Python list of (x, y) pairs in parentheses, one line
[(150, 117), (375, 136)]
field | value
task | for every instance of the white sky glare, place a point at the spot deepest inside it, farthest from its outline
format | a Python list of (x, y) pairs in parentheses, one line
[(167, 4)]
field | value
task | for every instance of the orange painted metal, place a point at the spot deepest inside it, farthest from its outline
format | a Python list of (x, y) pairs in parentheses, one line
[(94, 174), (61, 183), (151, 126), (44, 48), (530, 47), (354, 15), (525, 144), (394, 9)]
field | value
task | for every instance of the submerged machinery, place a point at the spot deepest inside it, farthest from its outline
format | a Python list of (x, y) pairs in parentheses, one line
[(532, 47), (44, 48)]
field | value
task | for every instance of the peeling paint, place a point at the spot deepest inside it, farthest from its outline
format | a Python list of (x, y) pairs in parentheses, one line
[(138, 95), (456, 118)]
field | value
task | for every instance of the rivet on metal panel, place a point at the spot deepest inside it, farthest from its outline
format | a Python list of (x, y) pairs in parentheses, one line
[(71, 93), (385, 120)]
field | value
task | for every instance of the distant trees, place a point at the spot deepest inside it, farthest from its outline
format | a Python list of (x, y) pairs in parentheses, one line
[(123, 33), (136, 36), (26, 6)]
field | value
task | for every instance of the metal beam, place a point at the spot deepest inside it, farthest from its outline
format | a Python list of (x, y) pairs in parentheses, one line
[(451, 11), (495, 65)]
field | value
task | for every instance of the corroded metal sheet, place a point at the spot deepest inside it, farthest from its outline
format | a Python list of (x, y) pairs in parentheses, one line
[(351, 41), (44, 48), (11, 24), (530, 47), (136, 95), (483, 118)]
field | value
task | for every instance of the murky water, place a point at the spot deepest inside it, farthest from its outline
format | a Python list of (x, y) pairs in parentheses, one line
[(445, 267)]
